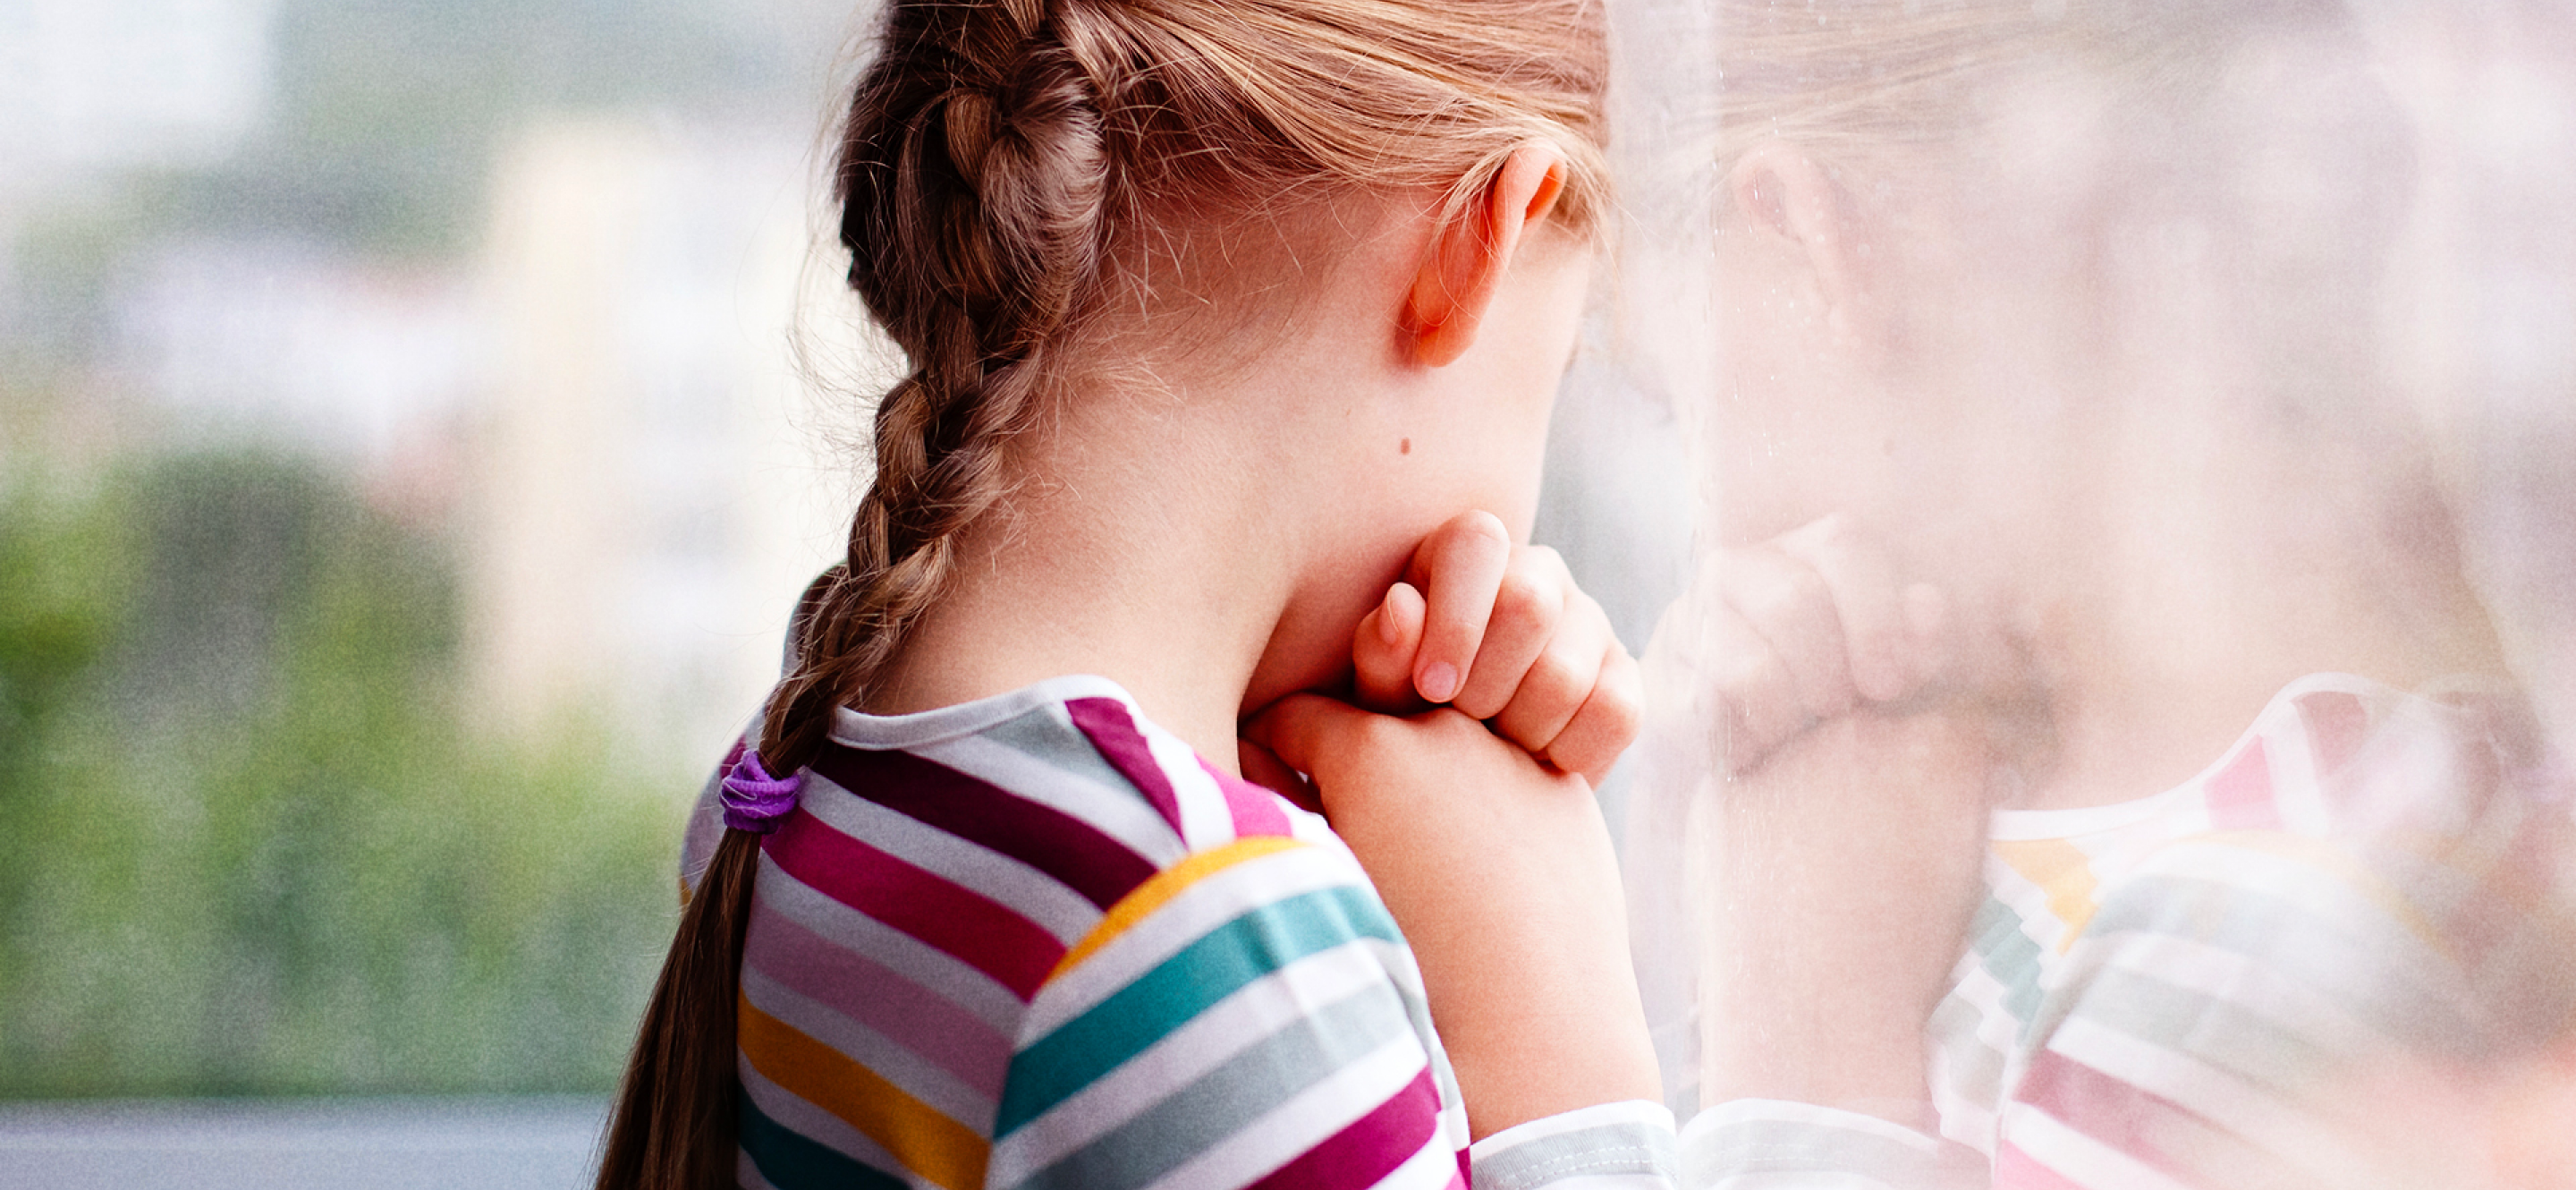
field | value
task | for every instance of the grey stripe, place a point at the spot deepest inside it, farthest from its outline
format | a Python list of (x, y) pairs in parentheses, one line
[(2371, 977), (1047, 735), (1193, 1119), (1976, 1068), (2267, 1053), (1627, 1148), (1754, 1147)]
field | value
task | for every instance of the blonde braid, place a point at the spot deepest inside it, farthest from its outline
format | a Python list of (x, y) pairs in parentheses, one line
[(972, 241)]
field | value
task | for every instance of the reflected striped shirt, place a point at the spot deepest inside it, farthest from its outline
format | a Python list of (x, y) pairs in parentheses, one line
[(2236, 982), (1035, 941)]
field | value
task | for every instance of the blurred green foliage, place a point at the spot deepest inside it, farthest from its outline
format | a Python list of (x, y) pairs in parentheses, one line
[(248, 844)]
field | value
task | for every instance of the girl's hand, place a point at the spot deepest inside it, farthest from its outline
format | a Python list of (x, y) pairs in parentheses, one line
[(1500, 872), (1501, 632), (1839, 834), (1800, 630)]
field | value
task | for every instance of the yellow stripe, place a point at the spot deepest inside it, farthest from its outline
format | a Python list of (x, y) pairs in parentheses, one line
[(1144, 899), (2061, 871), (926, 1142)]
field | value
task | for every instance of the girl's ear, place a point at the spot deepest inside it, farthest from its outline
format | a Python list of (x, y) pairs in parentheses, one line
[(1781, 191), (1463, 270)]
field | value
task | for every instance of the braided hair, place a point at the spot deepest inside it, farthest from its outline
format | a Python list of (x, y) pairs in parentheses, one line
[(993, 153)]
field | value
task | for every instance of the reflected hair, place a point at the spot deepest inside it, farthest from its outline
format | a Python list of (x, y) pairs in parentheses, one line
[(999, 164)]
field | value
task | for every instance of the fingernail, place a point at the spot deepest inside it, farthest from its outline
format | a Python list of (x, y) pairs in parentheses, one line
[(1388, 631), (1439, 680)]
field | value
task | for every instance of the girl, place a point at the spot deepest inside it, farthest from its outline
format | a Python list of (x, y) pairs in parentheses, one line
[(2072, 304), (1218, 312)]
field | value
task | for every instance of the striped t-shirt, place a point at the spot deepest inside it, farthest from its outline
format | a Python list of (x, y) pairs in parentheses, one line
[(2231, 983), (1035, 941)]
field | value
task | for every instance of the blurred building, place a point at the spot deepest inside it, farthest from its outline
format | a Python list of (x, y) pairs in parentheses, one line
[(92, 84), (651, 486)]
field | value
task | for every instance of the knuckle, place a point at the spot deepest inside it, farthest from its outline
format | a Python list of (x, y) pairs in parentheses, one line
[(1555, 674), (1525, 599)]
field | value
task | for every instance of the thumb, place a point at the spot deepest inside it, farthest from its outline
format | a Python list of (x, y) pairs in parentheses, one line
[(1306, 730)]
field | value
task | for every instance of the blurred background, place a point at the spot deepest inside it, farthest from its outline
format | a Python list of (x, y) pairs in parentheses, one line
[(406, 466)]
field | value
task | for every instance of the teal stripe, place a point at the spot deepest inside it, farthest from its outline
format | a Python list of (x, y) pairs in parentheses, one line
[(1181, 987), (1187, 1121), (794, 1161), (2009, 955)]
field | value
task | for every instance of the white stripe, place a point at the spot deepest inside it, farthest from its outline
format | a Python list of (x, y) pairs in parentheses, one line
[(1305, 1120), (1025, 890), (917, 1076), (746, 1174), (793, 1113), (1206, 822), (1432, 1167), (2077, 1157), (1114, 811), (1253, 1014), (924, 964), (1213, 901)]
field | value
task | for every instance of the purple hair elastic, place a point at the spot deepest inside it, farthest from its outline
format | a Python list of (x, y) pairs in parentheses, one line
[(753, 800)]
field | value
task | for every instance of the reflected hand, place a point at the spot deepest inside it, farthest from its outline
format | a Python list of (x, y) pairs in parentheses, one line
[(1801, 629)]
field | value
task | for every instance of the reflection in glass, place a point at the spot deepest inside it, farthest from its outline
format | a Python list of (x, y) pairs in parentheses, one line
[(2105, 727)]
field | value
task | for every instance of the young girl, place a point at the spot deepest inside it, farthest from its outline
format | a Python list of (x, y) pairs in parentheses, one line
[(1221, 313)]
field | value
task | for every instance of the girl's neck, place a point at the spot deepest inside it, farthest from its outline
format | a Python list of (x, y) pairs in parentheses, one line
[(1146, 574)]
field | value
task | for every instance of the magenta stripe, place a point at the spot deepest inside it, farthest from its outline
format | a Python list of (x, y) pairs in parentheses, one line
[(979, 931), (1112, 730), (2240, 796), (1075, 853), (878, 996), (1370, 1148), (1256, 810)]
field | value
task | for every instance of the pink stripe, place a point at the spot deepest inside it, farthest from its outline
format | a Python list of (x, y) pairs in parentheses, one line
[(877, 996), (979, 931), (2337, 725), (1368, 1150), (1255, 810), (2111, 1113), (2240, 796), (2017, 1170), (1113, 731)]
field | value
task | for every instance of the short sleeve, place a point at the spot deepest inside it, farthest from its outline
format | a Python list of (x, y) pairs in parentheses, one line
[(1762, 1144), (1248, 1017)]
